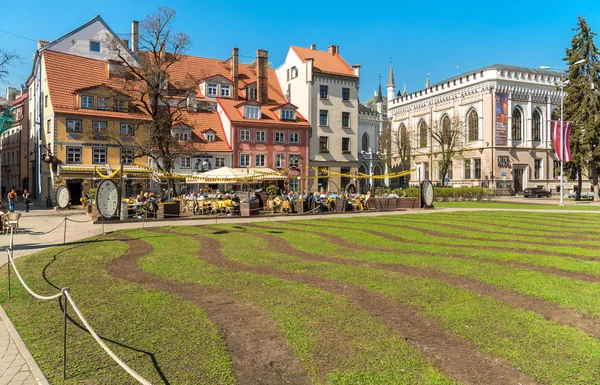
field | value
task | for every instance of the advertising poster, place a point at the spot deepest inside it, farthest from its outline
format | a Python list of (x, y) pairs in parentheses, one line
[(501, 119)]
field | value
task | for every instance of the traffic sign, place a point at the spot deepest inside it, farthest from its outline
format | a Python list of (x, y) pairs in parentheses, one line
[(447, 180), (504, 173)]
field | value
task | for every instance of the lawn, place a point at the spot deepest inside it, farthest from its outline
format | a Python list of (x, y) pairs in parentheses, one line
[(443, 298), (570, 204)]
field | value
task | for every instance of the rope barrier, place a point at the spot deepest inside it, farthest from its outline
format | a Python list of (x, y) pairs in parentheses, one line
[(65, 292)]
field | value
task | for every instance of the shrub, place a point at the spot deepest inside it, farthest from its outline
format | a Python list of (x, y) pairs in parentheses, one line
[(455, 194)]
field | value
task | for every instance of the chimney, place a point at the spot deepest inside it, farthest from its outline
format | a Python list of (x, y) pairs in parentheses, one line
[(313, 47), (356, 69), (262, 70), (234, 72), (309, 69), (11, 94), (42, 43), (125, 43), (135, 36), (334, 49)]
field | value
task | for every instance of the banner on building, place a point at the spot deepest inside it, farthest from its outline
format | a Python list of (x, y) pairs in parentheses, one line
[(558, 140), (501, 119)]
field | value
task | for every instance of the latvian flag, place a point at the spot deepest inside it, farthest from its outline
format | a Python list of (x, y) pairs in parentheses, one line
[(556, 139)]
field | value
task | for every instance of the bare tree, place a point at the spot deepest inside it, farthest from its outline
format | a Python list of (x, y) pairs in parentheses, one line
[(402, 150), (6, 58), (146, 79), (448, 142)]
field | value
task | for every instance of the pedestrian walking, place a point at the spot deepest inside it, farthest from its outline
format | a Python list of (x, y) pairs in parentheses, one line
[(26, 200), (12, 200)]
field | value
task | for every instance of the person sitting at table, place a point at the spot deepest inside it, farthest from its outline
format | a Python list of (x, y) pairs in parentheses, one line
[(139, 199), (393, 195), (291, 197), (333, 195)]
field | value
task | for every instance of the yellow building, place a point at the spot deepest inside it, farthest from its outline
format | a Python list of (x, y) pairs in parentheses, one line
[(85, 125)]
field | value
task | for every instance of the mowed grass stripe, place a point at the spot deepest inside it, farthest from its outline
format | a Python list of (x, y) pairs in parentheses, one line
[(524, 258), (446, 230), (498, 227), (313, 321), (524, 338), (517, 206), (581, 296), (141, 320), (567, 222), (422, 236)]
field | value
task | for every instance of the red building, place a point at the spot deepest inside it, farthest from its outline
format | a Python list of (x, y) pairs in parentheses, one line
[(258, 125)]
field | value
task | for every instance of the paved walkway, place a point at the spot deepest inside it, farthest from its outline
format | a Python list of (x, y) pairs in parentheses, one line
[(44, 228)]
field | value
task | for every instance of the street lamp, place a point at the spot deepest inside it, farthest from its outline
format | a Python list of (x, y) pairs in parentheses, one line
[(370, 155), (562, 108)]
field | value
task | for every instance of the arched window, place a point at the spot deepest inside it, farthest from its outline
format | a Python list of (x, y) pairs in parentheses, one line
[(473, 125), (517, 124), (445, 133), (536, 126), (365, 142), (422, 134)]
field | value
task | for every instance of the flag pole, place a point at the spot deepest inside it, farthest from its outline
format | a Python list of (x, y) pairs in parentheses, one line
[(562, 137)]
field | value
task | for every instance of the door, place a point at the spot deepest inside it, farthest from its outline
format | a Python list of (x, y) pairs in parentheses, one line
[(74, 187), (518, 180)]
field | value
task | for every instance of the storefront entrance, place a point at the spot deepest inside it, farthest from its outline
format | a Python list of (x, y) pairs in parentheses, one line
[(74, 187), (518, 180)]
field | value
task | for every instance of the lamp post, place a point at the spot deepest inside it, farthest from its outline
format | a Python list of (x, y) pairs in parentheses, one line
[(562, 136), (370, 155)]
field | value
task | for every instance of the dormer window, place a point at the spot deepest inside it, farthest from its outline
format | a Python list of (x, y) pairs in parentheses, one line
[(209, 136), (181, 134), (120, 105), (103, 103), (251, 93), (225, 91), (252, 112), (87, 101), (94, 46), (212, 89), (288, 114)]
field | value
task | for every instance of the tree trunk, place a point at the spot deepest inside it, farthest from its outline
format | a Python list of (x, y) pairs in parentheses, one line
[(594, 172)]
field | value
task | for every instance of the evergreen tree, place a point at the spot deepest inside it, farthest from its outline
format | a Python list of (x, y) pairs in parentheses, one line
[(582, 104)]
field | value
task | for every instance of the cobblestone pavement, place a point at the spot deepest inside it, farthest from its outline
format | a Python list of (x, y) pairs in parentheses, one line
[(44, 228)]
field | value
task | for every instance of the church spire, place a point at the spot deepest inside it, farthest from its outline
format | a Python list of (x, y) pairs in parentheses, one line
[(427, 85), (404, 93), (379, 95), (391, 82)]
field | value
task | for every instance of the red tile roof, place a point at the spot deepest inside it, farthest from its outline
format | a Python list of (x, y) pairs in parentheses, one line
[(269, 115), (203, 121), (324, 61), (67, 73), (20, 99)]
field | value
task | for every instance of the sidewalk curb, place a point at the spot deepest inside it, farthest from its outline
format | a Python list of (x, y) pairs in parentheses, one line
[(33, 366)]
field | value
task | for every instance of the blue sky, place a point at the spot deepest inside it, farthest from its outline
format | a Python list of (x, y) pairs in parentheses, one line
[(421, 37)]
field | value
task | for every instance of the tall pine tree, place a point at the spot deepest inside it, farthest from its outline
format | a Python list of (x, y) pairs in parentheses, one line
[(582, 105)]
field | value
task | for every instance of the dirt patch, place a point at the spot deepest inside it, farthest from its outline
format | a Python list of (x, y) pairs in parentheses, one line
[(259, 352), (456, 357)]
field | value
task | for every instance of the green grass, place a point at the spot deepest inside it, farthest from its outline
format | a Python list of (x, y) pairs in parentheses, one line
[(570, 205), (334, 339)]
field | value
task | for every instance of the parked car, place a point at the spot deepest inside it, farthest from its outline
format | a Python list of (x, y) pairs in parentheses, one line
[(536, 192)]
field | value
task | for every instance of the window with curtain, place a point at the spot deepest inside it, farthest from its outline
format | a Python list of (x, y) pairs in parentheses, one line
[(536, 126), (422, 134), (473, 126), (517, 124)]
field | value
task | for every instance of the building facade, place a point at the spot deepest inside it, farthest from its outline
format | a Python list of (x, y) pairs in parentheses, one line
[(503, 116), (325, 90), (372, 152), (14, 144), (83, 121)]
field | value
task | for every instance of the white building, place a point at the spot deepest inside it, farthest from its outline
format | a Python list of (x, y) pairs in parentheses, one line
[(325, 90), (504, 113)]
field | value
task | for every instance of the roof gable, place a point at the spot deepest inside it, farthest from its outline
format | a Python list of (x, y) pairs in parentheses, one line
[(77, 42), (324, 61)]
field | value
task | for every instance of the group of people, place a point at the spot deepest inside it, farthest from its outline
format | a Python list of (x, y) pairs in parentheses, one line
[(12, 198)]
